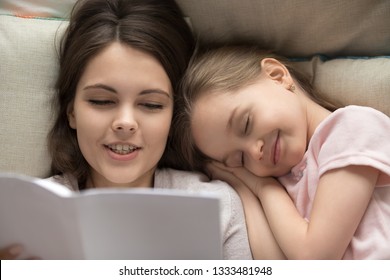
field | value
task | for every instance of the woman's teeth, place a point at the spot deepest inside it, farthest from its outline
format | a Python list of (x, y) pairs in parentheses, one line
[(122, 149)]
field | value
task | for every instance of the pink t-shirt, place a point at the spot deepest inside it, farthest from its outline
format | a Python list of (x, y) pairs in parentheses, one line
[(352, 135)]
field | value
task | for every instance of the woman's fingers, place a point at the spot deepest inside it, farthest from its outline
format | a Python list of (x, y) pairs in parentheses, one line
[(11, 252)]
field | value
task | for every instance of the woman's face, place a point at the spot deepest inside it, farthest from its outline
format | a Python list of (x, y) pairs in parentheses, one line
[(261, 127), (122, 114)]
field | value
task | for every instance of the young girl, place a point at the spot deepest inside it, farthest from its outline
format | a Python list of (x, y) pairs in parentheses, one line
[(120, 64), (255, 119)]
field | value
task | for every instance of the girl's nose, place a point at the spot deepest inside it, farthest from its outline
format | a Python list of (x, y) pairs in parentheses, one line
[(256, 150)]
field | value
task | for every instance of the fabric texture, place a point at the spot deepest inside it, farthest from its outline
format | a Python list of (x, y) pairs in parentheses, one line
[(298, 28), (353, 135), (28, 71), (301, 28), (292, 28), (351, 81), (234, 233), (37, 8)]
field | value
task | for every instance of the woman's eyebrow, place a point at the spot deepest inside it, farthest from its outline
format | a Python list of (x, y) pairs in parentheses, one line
[(156, 90), (100, 86), (111, 89)]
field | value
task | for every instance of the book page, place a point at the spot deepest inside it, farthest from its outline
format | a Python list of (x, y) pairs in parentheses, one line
[(56, 223), (42, 221), (150, 224)]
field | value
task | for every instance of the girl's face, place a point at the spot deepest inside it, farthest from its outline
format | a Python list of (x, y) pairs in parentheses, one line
[(262, 127), (122, 114)]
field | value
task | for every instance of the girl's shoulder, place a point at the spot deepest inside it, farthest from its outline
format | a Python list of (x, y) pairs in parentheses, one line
[(353, 135), (353, 113), (348, 121)]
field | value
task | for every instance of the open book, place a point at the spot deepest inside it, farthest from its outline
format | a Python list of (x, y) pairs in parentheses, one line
[(53, 222)]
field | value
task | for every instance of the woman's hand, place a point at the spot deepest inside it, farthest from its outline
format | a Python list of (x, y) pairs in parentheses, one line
[(11, 252)]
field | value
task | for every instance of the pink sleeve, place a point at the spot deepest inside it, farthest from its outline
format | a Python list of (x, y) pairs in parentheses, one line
[(356, 136)]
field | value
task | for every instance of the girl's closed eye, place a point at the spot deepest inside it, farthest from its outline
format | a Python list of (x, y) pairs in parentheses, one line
[(246, 124), (245, 132)]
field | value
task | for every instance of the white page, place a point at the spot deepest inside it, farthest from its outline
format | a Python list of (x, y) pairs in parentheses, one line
[(150, 224), (55, 223), (37, 218)]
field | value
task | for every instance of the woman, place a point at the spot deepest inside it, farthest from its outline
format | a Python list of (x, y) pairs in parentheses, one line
[(120, 65)]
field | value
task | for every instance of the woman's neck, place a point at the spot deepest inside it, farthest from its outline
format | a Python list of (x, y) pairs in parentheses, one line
[(99, 181)]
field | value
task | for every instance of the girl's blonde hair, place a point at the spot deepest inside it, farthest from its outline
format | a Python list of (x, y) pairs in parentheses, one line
[(222, 69)]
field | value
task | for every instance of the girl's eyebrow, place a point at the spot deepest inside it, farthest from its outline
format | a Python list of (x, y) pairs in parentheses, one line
[(111, 89), (231, 118), (229, 126)]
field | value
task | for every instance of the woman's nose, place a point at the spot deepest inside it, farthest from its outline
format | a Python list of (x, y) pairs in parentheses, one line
[(125, 121)]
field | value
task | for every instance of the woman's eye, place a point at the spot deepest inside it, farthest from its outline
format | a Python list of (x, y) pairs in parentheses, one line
[(101, 102), (152, 106)]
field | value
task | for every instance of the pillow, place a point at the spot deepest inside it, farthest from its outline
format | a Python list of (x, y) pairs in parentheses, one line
[(360, 81), (37, 8), (27, 77), (299, 28), (29, 66)]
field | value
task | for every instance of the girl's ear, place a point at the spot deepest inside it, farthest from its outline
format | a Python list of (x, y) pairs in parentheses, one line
[(277, 71), (71, 116)]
